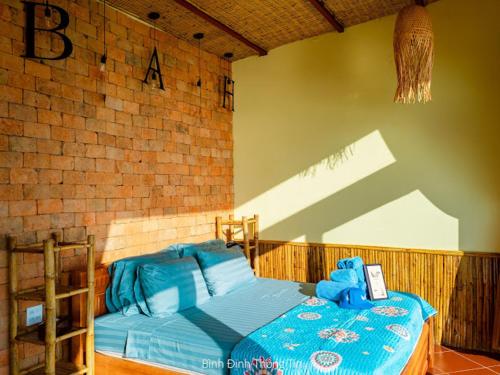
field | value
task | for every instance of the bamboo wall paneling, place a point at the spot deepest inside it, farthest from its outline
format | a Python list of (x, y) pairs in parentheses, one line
[(460, 285), (496, 327), (54, 290)]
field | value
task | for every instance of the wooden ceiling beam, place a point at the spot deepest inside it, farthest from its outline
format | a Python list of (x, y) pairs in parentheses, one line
[(329, 16), (207, 17)]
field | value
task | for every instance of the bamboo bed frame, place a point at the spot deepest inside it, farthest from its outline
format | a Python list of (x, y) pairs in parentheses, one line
[(420, 361)]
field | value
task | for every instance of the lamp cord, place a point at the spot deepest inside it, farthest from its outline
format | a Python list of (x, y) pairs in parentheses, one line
[(104, 40), (199, 73)]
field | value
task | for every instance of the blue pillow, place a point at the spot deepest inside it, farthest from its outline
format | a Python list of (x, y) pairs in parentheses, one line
[(172, 286), (225, 270), (120, 293), (191, 249), (179, 247)]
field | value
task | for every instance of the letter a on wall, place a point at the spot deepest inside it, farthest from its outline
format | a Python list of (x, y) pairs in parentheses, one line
[(31, 28), (154, 71)]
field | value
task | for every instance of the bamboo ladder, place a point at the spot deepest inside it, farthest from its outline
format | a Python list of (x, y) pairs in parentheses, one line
[(249, 229), (50, 294)]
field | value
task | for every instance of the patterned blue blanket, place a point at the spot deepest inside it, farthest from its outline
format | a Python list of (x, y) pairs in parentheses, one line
[(319, 337)]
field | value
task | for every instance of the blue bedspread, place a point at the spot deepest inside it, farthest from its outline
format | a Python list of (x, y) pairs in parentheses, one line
[(318, 336)]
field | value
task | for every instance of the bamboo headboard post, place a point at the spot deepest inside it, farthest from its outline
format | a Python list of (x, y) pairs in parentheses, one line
[(246, 243), (218, 226), (256, 264), (229, 235), (57, 237)]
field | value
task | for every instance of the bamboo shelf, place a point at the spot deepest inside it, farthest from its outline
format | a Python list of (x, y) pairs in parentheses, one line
[(62, 291), (62, 368), (248, 229), (50, 294), (32, 336)]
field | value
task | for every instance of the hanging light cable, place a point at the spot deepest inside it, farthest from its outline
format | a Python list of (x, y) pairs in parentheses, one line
[(154, 43), (227, 58), (228, 89), (104, 57), (154, 78), (47, 11), (48, 14), (199, 37)]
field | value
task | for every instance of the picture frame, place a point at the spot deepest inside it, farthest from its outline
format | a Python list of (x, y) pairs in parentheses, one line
[(375, 281)]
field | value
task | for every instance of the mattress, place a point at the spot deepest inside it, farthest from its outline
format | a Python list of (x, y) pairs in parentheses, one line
[(200, 339)]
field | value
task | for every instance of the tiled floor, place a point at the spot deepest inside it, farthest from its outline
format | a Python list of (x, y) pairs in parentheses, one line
[(448, 361)]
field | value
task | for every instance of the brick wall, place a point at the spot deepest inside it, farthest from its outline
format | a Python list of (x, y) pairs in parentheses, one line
[(137, 167)]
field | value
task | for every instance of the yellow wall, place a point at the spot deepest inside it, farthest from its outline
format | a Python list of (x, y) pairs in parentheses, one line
[(324, 155)]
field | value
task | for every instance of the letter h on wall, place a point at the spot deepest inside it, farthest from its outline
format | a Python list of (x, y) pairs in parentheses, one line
[(228, 98)]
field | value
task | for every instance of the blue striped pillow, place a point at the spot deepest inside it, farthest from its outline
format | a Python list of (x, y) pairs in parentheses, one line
[(225, 270), (120, 294), (172, 286), (191, 249)]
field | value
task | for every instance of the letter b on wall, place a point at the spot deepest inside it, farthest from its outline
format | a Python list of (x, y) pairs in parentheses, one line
[(31, 28)]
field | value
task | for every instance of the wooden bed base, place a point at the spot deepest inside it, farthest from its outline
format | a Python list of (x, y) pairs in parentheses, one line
[(108, 365), (420, 362)]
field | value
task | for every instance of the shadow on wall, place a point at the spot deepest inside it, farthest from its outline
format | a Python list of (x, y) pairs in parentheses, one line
[(308, 100), (347, 190)]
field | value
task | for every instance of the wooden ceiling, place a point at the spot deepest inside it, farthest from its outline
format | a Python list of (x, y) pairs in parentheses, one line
[(251, 27)]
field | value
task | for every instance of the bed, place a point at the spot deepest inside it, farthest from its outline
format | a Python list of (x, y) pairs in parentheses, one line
[(200, 340)]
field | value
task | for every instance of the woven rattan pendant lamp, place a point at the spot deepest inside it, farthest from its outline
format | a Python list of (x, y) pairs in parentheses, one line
[(414, 54)]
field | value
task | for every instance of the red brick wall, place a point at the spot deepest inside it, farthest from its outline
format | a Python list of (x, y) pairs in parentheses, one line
[(139, 168)]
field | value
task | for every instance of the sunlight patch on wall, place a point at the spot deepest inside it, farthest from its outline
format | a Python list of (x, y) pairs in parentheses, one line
[(131, 235), (358, 160), (301, 238), (410, 221)]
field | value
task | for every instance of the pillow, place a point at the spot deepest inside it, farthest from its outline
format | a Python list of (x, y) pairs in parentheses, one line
[(172, 286), (225, 270), (191, 249), (179, 247), (120, 293)]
